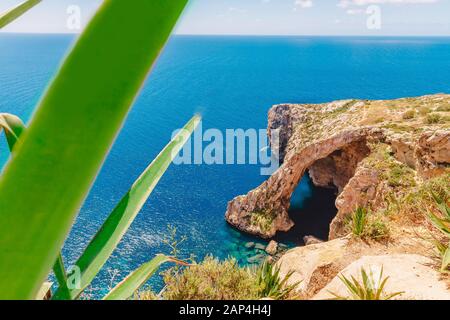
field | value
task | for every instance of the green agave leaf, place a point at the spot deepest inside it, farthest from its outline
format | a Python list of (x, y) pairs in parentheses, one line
[(439, 223), (350, 286), (118, 222), (440, 247), (46, 182), (14, 13), (13, 128), (365, 279), (336, 296), (379, 293), (61, 276), (446, 260), (442, 205), (393, 295), (136, 279)]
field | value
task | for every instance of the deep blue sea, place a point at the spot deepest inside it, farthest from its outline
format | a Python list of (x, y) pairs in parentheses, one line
[(231, 82)]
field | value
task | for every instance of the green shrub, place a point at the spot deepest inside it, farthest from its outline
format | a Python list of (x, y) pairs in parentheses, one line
[(271, 284), (262, 220), (364, 225), (359, 221), (444, 108), (433, 118), (146, 295), (377, 229), (223, 280), (410, 114), (211, 280), (368, 289), (423, 111), (378, 120), (399, 174), (420, 197)]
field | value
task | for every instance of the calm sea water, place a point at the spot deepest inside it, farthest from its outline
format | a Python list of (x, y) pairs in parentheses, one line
[(232, 82)]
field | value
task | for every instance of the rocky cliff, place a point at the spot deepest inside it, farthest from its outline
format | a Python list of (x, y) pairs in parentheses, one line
[(372, 152), (388, 162)]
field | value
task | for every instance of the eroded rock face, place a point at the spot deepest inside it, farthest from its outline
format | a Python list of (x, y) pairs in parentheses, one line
[(429, 153), (433, 152), (272, 199), (404, 150), (302, 262), (331, 141), (339, 167), (361, 189)]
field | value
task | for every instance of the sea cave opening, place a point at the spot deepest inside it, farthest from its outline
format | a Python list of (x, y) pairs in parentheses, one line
[(312, 210)]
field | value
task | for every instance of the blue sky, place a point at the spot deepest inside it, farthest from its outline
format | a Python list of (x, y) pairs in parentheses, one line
[(268, 17)]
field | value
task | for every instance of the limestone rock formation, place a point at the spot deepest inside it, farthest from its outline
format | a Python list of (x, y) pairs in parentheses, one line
[(360, 189), (309, 240), (305, 261), (364, 149), (272, 248), (387, 157)]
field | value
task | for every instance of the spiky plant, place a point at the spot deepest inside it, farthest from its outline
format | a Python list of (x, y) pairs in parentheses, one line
[(359, 221), (368, 288), (56, 159), (439, 215), (272, 284)]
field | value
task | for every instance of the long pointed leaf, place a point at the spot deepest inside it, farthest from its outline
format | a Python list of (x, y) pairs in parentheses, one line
[(393, 295), (118, 222), (61, 276), (46, 182), (13, 128), (441, 248), (442, 205), (446, 260), (11, 15), (439, 223), (136, 279)]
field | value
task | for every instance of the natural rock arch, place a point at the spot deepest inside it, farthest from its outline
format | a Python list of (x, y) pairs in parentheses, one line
[(331, 141), (272, 199)]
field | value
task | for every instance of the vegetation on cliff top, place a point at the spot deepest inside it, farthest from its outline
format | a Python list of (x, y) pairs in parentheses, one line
[(407, 115), (223, 280)]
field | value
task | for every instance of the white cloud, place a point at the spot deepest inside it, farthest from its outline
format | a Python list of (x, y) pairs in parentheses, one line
[(303, 3), (237, 10), (354, 11)]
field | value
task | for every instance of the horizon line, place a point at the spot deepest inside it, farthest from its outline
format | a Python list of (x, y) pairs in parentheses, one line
[(252, 35)]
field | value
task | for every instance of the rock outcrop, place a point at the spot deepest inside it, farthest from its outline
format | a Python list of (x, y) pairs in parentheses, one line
[(410, 275), (385, 157), (272, 248), (316, 267), (363, 149), (303, 262)]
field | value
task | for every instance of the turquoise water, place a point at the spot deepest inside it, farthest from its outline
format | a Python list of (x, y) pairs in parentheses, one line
[(232, 82)]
